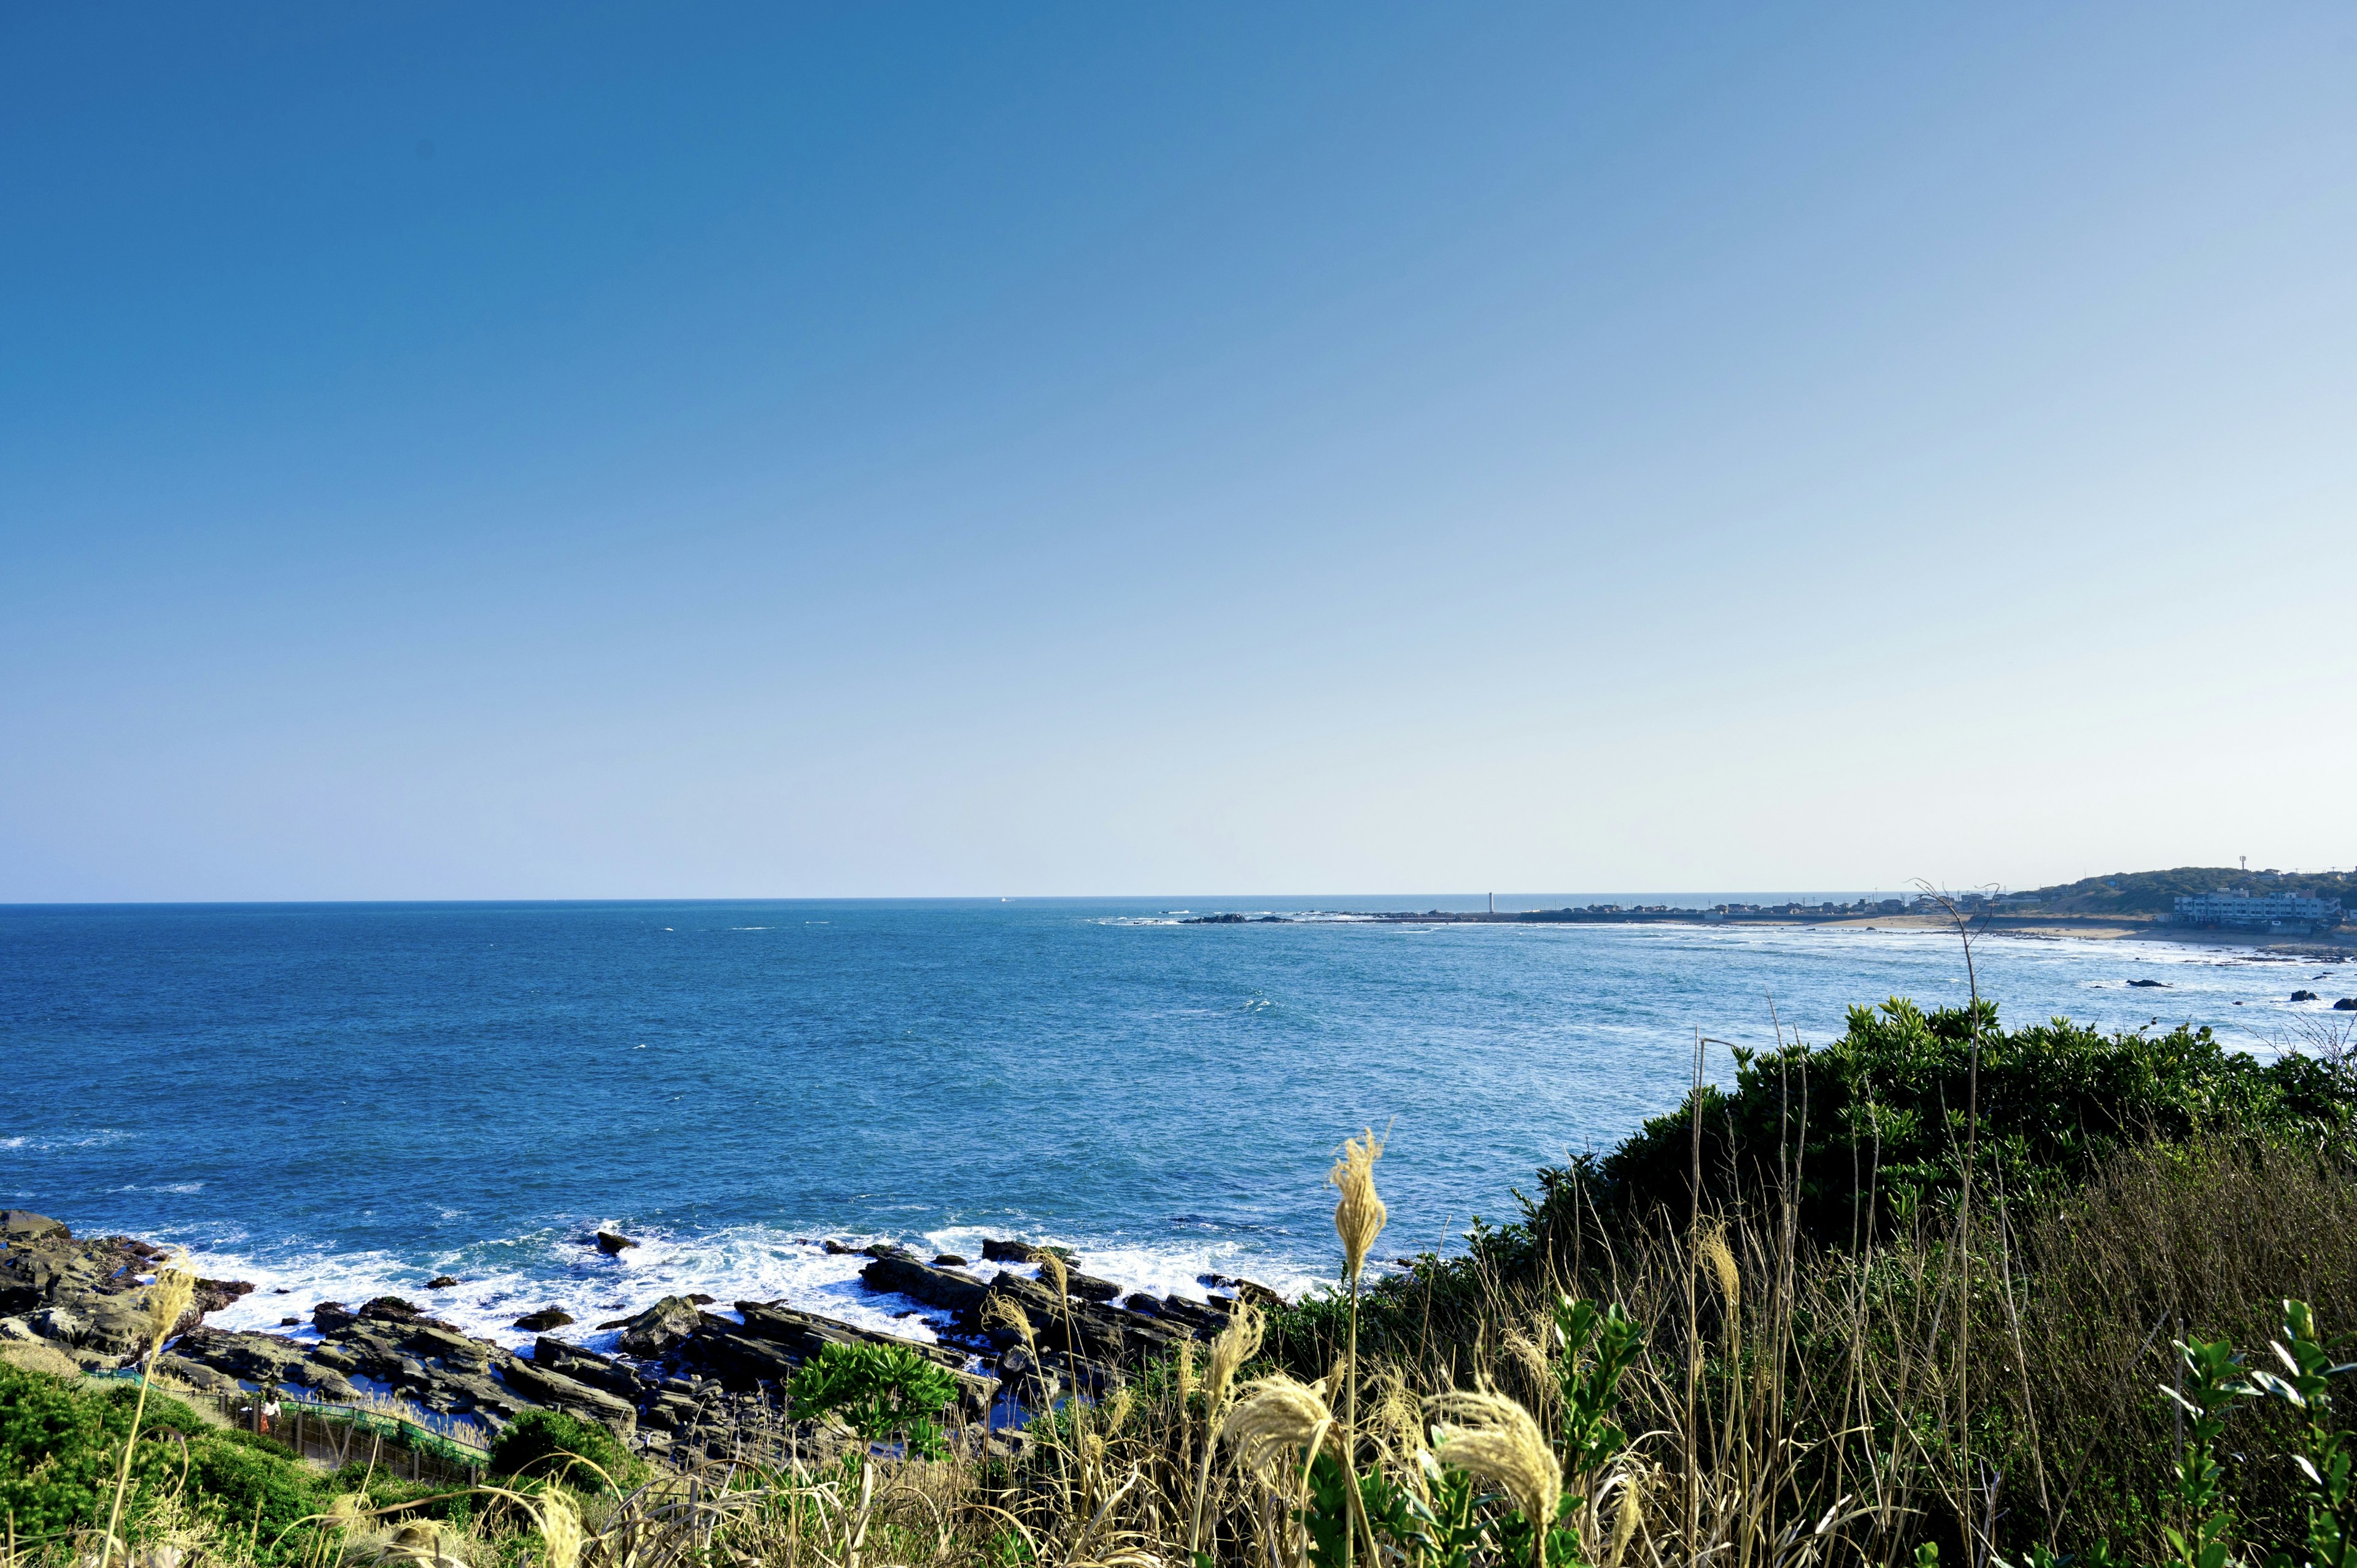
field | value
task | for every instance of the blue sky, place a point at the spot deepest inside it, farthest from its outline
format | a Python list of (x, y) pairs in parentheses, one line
[(620, 450)]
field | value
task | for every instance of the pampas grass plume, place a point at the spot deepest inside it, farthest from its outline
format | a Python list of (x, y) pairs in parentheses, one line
[(1238, 1343), (167, 1299), (560, 1527), (1275, 1415), (1492, 1438), (1359, 1217)]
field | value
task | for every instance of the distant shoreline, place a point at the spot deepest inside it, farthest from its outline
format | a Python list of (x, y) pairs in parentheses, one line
[(2336, 944)]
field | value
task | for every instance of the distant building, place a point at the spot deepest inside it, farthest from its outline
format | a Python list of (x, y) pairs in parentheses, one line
[(2270, 910)]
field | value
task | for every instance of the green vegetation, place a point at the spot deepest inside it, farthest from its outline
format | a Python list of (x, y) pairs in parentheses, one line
[(1862, 1132), (59, 1447), (886, 1392), (2157, 892), (62, 1446), (548, 1444)]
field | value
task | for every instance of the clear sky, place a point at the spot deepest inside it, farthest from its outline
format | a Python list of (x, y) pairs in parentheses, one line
[(601, 449)]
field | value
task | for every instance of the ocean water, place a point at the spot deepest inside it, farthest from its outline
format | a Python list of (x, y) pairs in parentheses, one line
[(343, 1099)]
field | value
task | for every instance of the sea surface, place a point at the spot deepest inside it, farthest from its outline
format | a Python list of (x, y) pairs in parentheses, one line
[(339, 1101)]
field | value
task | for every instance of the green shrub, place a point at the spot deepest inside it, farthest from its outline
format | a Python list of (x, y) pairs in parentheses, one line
[(1878, 1119), (235, 1435), (59, 1445), (546, 1443), (247, 1492), (59, 1449), (885, 1392)]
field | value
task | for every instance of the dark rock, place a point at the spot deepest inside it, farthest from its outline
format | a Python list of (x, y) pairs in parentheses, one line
[(547, 1318), (949, 1261), (2346, 1004), (805, 1334), (586, 1366), (935, 1288), (701, 1300), (211, 1295), (2304, 996), (1141, 1302), (1203, 1319), (21, 1225), (660, 1327), (567, 1394), (333, 1317), (1249, 1291), (265, 1359), (391, 1309), (740, 1358), (997, 1251), (2152, 985), (835, 1249), (612, 1241), (1088, 1287), (889, 1249), (441, 1282), (1090, 1330), (290, 1323), (195, 1374), (442, 1342)]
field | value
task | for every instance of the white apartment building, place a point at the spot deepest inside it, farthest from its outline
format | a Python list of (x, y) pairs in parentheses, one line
[(2265, 909)]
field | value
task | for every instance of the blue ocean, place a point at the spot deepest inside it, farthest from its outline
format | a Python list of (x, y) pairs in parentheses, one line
[(338, 1100)]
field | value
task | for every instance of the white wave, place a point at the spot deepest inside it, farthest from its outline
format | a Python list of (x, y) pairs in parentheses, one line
[(502, 1281), (99, 1139)]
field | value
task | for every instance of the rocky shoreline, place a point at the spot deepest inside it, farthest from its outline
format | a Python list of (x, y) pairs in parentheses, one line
[(683, 1378)]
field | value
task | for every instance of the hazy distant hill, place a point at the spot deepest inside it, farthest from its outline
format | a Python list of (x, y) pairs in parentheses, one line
[(2155, 892)]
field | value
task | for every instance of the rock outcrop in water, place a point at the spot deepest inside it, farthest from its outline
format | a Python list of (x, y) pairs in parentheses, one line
[(677, 1369)]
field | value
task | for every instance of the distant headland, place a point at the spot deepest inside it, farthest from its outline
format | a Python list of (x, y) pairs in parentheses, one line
[(2216, 904)]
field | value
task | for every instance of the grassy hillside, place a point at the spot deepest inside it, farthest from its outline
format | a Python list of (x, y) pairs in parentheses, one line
[(2156, 892)]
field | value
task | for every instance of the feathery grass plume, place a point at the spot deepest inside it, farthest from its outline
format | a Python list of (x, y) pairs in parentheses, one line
[(1117, 1409), (1275, 1415), (167, 1299), (1531, 1357), (1359, 1217), (1625, 1521), (1490, 1438), (1185, 1371), (999, 1312), (421, 1543), (1052, 1269), (560, 1527), (1397, 1413), (1720, 1259), (1236, 1344)]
